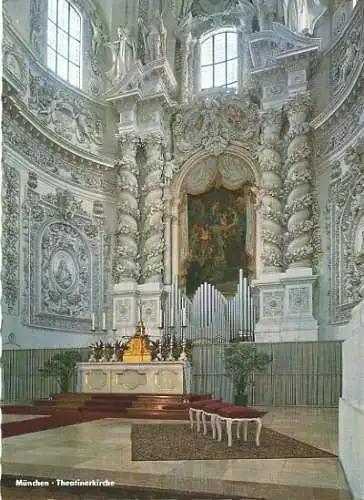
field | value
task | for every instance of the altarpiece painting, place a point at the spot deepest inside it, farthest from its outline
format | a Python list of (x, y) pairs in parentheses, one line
[(220, 237)]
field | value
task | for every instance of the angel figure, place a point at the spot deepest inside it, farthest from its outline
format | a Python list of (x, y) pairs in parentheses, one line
[(349, 58), (97, 34), (123, 53)]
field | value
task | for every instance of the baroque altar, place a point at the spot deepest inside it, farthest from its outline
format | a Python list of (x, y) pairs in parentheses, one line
[(159, 377)]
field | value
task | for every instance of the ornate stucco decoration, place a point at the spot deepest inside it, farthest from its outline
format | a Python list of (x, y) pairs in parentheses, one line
[(64, 114), (347, 55), (152, 80), (345, 224), (213, 121), (345, 58), (10, 241), (127, 211), (269, 199), (271, 48), (298, 185), (231, 170), (63, 260), (20, 137), (339, 126)]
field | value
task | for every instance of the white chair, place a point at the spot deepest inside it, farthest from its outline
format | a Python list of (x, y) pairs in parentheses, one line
[(195, 412), (239, 420)]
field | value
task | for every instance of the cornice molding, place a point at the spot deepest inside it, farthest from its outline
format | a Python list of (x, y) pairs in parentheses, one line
[(54, 140)]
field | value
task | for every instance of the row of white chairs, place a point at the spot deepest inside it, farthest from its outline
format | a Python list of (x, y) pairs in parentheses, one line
[(199, 415)]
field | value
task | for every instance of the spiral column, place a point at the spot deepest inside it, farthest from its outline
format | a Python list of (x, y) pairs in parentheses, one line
[(298, 186), (270, 191), (126, 237), (152, 242)]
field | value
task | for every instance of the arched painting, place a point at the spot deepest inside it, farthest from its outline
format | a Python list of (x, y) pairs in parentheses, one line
[(217, 236)]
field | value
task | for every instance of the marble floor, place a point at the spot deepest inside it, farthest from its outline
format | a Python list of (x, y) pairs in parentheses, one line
[(102, 449), (7, 418)]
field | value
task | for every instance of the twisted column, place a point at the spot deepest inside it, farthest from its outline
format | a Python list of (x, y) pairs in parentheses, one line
[(126, 242), (298, 209), (270, 192), (152, 242)]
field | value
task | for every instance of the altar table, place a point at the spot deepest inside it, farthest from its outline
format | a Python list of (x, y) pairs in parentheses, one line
[(159, 377)]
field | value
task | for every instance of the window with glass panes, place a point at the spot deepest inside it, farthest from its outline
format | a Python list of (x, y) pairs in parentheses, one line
[(64, 41), (219, 60)]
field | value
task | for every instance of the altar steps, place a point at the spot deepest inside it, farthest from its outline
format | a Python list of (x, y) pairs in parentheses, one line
[(70, 402), (141, 406)]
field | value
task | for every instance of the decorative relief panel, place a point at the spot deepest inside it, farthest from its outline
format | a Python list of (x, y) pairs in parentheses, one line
[(131, 379), (63, 255), (19, 137), (347, 55), (214, 121), (273, 303), (341, 127), (10, 239), (123, 310), (167, 379), (345, 225), (299, 301), (67, 114), (96, 380)]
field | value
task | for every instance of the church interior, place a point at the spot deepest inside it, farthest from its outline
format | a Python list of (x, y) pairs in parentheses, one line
[(182, 249)]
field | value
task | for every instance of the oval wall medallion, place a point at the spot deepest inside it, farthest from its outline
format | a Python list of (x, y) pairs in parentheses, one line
[(63, 270)]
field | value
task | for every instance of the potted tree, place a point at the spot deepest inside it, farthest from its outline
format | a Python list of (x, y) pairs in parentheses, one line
[(61, 366), (242, 360)]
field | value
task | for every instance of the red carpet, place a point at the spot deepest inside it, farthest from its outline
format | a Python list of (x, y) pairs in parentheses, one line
[(44, 423)]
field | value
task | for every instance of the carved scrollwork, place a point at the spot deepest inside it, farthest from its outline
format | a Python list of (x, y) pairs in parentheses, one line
[(11, 226), (347, 55), (213, 122), (345, 222), (62, 247)]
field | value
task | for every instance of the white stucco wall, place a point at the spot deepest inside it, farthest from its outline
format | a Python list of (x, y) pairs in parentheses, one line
[(351, 410)]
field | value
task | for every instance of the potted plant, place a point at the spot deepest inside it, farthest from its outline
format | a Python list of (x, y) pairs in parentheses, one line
[(61, 366), (242, 360)]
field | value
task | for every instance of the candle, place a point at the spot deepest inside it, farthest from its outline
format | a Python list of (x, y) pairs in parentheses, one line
[(104, 321), (171, 322), (113, 322), (92, 321), (160, 317), (183, 317)]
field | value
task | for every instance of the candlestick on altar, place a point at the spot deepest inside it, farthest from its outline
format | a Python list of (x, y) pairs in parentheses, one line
[(170, 356), (103, 321), (92, 322), (183, 355), (160, 354)]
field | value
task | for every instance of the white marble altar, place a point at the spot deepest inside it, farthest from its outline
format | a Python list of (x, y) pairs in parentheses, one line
[(164, 377)]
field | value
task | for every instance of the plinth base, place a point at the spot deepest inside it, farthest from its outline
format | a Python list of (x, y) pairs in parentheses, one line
[(286, 307)]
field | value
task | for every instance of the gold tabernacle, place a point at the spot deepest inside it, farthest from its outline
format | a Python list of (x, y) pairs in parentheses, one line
[(138, 349)]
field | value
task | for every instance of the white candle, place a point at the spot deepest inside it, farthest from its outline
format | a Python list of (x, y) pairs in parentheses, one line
[(160, 317), (171, 322), (92, 321), (183, 317), (113, 322), (104, 321)]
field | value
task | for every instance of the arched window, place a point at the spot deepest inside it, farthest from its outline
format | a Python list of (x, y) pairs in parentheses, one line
[(64, 41), (219, 60)]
